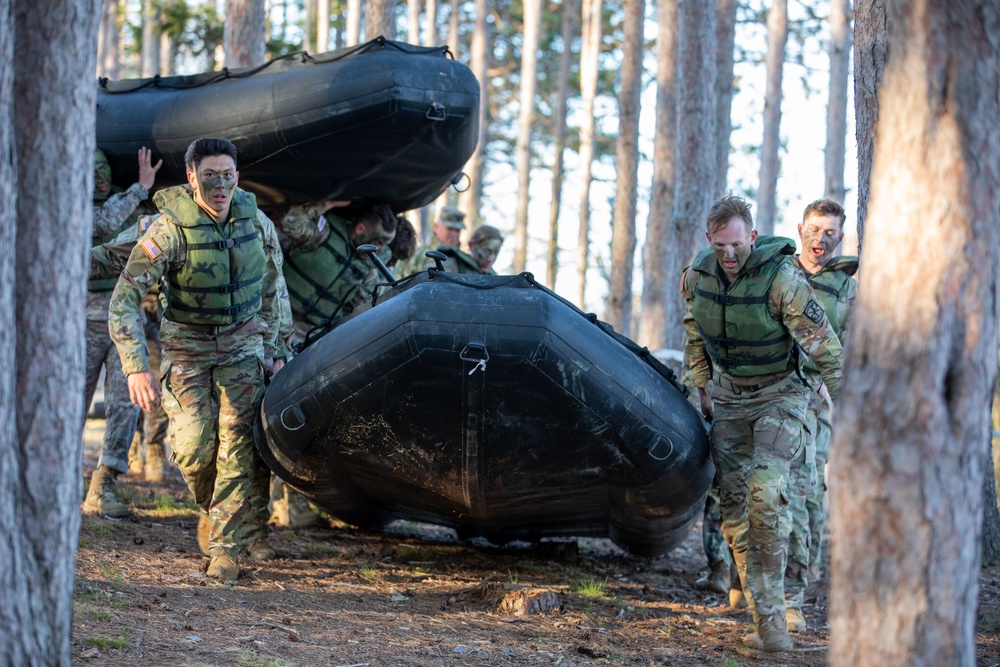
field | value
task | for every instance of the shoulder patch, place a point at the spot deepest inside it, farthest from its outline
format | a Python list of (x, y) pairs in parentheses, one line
[(151, 249), (144, 222), (814, 311)]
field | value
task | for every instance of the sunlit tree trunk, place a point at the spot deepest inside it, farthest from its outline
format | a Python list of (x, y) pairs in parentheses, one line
[(245, 33), (413, 21), (871, 18), (657, 285), (109, 41), (353, 22), (322, 26), (696, 158), (470, 200), (525, 119), (725, 44), (431, 37), (913, 422), (150, 53), (770, 147), (379, 19), (590, 51), (47, 103), (836, 108), (619, 306), (570, 12)]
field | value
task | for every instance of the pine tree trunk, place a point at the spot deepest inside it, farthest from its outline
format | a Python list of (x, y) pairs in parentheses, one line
[(245, 33), (353, 22), (696, 158), (109, 41), (431, 38), (526, 117), (590, 50), (836, 108), (770, 161), (908, 452), (150, 39), (470, 201), (871, 20), (47, 103), (322, 26), (991, 513), (657, 285), (379, 19), (570, 12), (726, 43), (413, 21), (453, 27)]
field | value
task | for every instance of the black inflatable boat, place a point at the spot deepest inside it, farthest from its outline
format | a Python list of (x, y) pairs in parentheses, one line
[(383, 121), (493, 406)]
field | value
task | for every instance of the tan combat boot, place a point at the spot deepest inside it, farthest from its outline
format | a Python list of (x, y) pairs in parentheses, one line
[(261, 550), (300, 513), (204, 529), (773, 633), (101, 497), (135, 456), (795, 620), (718, 578), (155, 462), (224, 567)]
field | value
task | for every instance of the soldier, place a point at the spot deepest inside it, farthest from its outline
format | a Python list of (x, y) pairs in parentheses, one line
[(821, 231), (112, 212), (747, 312), (222, 262), (148, 453), (447, 234), (484, 244)]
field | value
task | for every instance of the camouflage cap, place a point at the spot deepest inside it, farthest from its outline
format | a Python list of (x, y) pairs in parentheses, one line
[(452, 218)]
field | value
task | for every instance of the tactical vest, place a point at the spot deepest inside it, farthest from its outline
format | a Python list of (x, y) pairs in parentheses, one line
[(830, 284), (222, 279), (741, 337), (108, 284), (320, 280)]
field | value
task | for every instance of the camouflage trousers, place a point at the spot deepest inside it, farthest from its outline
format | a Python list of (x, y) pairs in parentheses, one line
[(816, 500), (800, 539), (716, 547), (121, 414), (758, 443), (154, 423), (212, 386)]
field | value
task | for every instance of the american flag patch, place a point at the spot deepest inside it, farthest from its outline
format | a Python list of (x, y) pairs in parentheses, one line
[(151, 249), (144, 223)]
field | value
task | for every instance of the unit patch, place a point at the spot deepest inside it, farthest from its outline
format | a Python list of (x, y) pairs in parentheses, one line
[(814, 311), (151, 249)]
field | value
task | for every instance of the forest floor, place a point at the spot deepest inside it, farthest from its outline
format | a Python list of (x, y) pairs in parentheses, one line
[(413, 595)]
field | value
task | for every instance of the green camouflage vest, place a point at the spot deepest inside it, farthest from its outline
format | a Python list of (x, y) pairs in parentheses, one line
[(830, 285), (108, 284), (741, 337), (320, 280), (221, 282)]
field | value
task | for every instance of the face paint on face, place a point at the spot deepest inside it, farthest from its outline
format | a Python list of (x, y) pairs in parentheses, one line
[(370, 232), (215, 183), (485, 253), (732, 244), (102, 179), (820, 235)]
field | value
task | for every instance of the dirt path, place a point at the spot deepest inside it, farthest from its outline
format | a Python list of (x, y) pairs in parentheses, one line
[(415, 595)]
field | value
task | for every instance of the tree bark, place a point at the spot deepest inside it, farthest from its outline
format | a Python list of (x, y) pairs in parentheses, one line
[(871, 45), (245, 34), (379, 19), (836, 108), (526, 118), (109, 41), (770, 161), (150, 39), (470, 201), (570, 12), (322, 26), (726, 43), (590, 51), (696, 113), (657, 285), (413, 21), (907, 464), (353, 22), (453, 27), (431, 38), (47, 103)]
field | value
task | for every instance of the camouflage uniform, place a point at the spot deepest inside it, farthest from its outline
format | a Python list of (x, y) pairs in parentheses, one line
[(740, 345), (109, 218), (836, 289), (150, 442), (212, 375)]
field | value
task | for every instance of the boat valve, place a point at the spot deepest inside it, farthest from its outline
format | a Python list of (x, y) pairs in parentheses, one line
[(438, 257), (372, 252)]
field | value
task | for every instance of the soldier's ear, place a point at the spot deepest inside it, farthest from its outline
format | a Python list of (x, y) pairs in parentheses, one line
[(192, 178)]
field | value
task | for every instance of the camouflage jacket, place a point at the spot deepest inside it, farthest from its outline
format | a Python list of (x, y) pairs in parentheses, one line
[(110, 216), (790, 301), (836, 289), (142, 272)]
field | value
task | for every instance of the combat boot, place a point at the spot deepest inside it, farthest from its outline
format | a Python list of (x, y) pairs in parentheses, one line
[(101, 497), (795, 620), (773, 632), (300, 513), (718, 578), (737, 600), (224, 567), (204, 529), (135, 456), (261, 550), (155, 462)]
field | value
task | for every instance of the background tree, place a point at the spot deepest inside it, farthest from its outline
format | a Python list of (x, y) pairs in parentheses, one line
[(353, 29), (379, 19), (871, 21), (770, 161), (431, 37), (525, 119), (656, 284), (908, 452), (245, 33), (590, 53), (150, 38), (470, 200), (413, 21), (836, 108), (725, 43), (47, 102), (696, 111), (322, 26), (109, 41)]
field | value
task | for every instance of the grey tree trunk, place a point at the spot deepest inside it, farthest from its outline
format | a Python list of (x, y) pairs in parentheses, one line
[(431, 38), (907, 466), (590, 50), (836, 108), (353, 22), (526, 118), (309, 33), (471, 199), (322, 26), (770, 161), (725, 42), (871, 21), (379, 19), (168, 50), (453, 27), (109, 41), (245, 37), (413, 21), (46, 136), (991, 516), (150, 53), (657, 285), (696, 113), (570, 12)]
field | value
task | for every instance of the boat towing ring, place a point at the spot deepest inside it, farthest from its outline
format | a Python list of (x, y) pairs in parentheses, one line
[(293, 413)]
